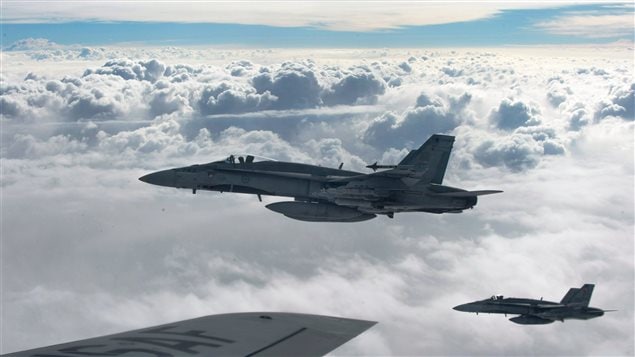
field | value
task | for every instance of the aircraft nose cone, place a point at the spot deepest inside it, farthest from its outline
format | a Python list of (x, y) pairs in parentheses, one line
[(145, 178), (463, 307), (161, 178)]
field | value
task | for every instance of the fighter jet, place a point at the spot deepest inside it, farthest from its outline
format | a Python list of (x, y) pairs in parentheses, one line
[(238, 334), (324, 194), (574, 305)]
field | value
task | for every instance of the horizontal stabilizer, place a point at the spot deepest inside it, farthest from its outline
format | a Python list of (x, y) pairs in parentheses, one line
[(468, 193)]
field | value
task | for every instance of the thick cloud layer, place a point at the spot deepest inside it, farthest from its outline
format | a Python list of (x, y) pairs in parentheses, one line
[(87, 249)]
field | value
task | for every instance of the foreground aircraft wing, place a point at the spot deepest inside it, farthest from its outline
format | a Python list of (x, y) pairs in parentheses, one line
[(239, 334)]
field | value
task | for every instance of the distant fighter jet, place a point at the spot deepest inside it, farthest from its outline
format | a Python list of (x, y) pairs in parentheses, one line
[(334, 195), (239, 334), (574, 305)]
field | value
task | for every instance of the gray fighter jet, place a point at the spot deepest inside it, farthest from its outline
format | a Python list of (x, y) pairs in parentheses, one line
[(574, 305), (334, 195), (238, 334)]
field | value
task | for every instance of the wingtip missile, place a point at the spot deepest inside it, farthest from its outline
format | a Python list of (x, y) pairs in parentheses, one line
[(375, 166)]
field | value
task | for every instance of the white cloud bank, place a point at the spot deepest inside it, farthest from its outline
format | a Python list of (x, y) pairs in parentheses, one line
[(87, 249)]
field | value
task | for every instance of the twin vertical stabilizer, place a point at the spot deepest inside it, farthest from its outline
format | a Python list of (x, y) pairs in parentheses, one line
[(578, 296), (432, 157)]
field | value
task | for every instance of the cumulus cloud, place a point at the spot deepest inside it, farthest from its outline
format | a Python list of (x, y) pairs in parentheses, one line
[(621, 103), (512, 114), (29, 44), (517, 152), (229, 98), (452, 72), (430, 115), (557, 92), (150, 70), (294, 84), (359, 87)]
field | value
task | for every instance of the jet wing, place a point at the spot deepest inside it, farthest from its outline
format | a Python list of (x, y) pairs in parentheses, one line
[(239, 334)]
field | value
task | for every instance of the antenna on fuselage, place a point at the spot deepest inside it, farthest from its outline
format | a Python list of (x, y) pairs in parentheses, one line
[(341, 164)]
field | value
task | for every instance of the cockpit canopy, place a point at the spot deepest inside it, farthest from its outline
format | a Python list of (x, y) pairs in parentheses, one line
[(244, 158), (496, 297)]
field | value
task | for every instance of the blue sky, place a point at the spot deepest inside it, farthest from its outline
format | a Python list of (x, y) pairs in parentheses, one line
[(571, 24)]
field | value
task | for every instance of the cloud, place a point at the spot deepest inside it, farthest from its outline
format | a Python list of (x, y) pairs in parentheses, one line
[(29, 44), (512, 114), (27, 146), (566, 171), (430, 115), (338, 17), (294, 84), (517, 152), (167, 100), (579, 118), (229, 98), (240, 68), (359, 87), (590, 24), (621, 103), (452, 72), (557, 93), (151, 70)]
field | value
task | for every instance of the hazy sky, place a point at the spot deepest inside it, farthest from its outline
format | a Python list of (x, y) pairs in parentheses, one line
[(317, 24), (87, 249)]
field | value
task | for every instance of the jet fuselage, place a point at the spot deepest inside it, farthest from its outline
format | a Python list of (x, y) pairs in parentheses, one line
[(372, 195), (324, 194), (575, 305)]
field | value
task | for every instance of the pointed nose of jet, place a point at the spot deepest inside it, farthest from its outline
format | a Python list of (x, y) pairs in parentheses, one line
[(161, 178), (464, 307)]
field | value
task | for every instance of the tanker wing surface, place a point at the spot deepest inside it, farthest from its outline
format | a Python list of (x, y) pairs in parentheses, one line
[(239, 334)]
